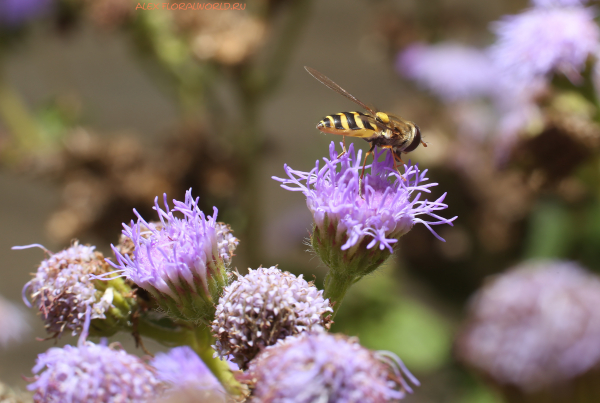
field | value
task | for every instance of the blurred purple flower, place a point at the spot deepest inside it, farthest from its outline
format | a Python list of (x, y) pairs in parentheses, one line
[(17, 12), (92, 373), (13, 323), (262, 307), (320, 367), (558, 3), (382, 211), (449, 70), (181, 261), (543, 40), (459, 73), (185, 373), (535, 326)]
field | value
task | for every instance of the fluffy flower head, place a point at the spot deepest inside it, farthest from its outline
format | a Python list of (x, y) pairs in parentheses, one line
[(542, 40), (360, 222), (62, 289), (449, 70), (320, 367), (262, 307), (92, 373), (182, 260), (535, 326)]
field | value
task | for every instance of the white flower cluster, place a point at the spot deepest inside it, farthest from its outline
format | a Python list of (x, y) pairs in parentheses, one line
[(262, 307)]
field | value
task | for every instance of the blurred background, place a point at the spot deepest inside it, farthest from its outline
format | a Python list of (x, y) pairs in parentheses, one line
[(105, 104)]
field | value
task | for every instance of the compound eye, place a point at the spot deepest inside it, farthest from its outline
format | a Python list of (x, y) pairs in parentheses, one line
[(416, 141)]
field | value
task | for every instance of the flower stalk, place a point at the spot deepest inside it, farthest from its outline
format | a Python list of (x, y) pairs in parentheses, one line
[(198, 339)]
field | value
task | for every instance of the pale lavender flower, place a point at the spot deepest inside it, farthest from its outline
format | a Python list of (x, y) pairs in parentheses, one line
[(536, 326), (16, 12), (558, 3), (540, 41), (320, 367), (386, 207), (92, 373), (450, 70), (456, 72), (187, 376), (182, 262), (62, 289), (13, 323), (265, 306)]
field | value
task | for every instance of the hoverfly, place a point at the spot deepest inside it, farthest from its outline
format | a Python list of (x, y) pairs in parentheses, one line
[(380, 129)]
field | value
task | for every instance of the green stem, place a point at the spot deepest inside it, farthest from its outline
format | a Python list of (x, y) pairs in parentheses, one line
[(220, 368), (336, 285), (200, 340)]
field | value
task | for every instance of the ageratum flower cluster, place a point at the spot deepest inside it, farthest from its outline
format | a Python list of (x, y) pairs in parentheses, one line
[(182, 261), (535, 327), (62, 289), (546, 39), (92, 373), (265, 306), (319, 367), (358, 223)]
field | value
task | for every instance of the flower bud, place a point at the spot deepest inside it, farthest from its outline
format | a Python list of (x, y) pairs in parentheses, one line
[(63, 288), (320, 367), (262, 307), (92, 373)]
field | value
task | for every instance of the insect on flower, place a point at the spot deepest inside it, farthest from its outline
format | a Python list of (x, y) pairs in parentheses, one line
[(380, 129)]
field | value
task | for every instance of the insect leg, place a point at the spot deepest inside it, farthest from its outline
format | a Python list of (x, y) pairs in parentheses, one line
[(365, 163), (343, 147), (396, 158), (363, 169)]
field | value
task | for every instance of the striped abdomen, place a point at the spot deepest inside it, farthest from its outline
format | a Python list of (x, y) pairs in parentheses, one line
[(354, 124)]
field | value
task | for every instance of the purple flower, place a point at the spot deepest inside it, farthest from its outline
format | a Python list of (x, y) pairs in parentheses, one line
[(187, 376), (374, 215), (455, 72), (181, 261), (536, 326), (449, 70), (319, 367), (16, 12), (262, 307), (543, 40), (62, 289), (92, 373), (558, 3), (13, 323)]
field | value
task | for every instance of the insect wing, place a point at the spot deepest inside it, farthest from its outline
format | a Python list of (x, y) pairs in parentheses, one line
[(377, 126), (402, 124), (333, 86)]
